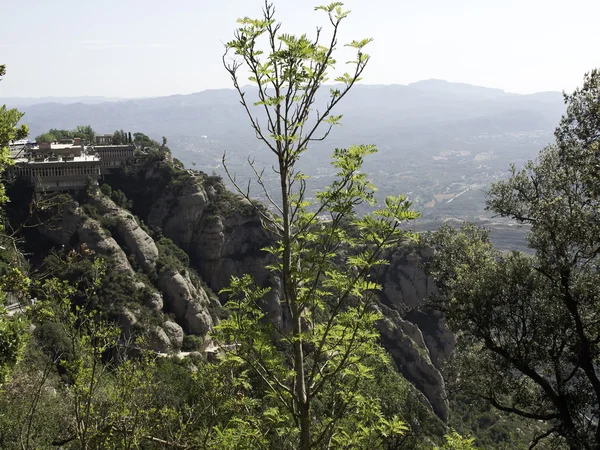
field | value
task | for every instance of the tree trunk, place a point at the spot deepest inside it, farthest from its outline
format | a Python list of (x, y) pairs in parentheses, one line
[(302, 399), (301, 395)]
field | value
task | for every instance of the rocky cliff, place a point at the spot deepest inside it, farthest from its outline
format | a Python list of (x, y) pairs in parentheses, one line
[(416, 337), (222, 236), (114, 233)]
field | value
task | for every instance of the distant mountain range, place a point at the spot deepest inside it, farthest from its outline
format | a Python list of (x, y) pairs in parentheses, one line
[(28, 101), (441, 142)]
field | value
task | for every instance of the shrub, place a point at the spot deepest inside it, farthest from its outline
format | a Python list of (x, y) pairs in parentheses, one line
[(192, 343)]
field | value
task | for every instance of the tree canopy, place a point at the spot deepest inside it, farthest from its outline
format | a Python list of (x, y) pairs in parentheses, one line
[(529, 324), (85, 132)]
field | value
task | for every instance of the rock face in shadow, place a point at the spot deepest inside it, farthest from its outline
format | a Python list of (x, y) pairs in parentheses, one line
[(64, 225), (406, 345), (221, 233), (405, 287)]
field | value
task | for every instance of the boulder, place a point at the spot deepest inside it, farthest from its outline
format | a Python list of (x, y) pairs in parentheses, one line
[(127, 320), (189, 304), (175, 334), (158, 340)]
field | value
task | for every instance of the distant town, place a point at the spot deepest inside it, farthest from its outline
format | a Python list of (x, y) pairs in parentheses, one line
[(68, 164)]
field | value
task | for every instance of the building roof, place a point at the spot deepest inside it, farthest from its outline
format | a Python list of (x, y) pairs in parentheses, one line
[(98, 146), (62, 147), (76, 159)]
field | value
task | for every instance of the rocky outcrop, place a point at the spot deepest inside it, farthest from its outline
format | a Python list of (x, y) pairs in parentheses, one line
[(175, 334), (158, 340), (179, 213), (221, 233), (416, 337), (128, 230), (92, 234), (406, 345), (189, 303), (438, 338), (405, 286), (223, 236)]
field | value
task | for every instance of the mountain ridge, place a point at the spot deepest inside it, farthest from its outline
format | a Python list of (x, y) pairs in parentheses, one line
[(430, 83), (434, 142)]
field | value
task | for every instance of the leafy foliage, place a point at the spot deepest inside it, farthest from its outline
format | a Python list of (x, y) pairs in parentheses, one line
[(13, 282), (120, 137), (312, 368), (85, 132), (528, 324)]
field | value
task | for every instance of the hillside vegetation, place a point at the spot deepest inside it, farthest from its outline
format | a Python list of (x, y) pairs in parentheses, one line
[(168, 308)]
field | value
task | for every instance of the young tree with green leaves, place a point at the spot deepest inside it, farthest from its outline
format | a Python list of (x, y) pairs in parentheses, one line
[(119, 137), (9, 131), (313, 363), (529, 324), (86, 133), (46, 138), (13, 282)]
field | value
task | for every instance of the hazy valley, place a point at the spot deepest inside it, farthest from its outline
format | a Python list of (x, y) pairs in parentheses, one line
[(440, 143)]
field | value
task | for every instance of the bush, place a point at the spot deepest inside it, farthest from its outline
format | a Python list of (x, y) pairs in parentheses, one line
[(192, 343), (120, 199), (106, 190), (170, 255)]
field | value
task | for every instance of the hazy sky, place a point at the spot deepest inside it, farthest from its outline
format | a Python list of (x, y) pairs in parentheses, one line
[(135, 48)]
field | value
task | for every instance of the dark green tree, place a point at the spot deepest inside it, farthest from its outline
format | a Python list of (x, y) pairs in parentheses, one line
[(60, 134), (86, 133), (119, 137), (143, 141), (529, 324), (45, 138)]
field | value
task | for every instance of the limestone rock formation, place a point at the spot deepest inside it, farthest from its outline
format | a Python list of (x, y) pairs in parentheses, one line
[(174, 333), (404, 341), (223, 236), (158, 340), (99, 240), (405, 286), (178, 213), (221, 233), (189, 303), (132, 235)]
